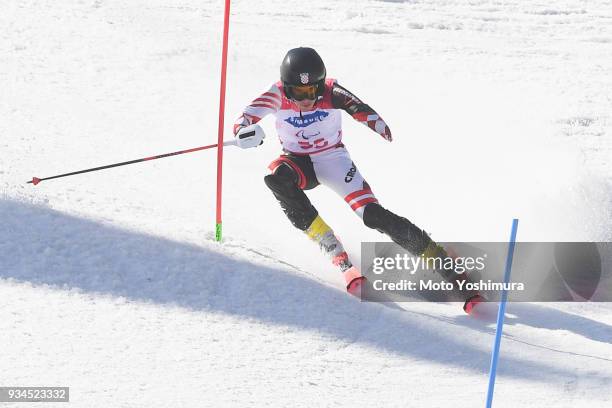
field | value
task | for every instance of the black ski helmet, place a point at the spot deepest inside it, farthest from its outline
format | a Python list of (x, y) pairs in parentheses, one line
[(302, 66)]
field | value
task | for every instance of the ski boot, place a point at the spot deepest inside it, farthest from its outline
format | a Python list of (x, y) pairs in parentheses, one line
[(324, 236), (472, 302), (472, 297), (354, 281)]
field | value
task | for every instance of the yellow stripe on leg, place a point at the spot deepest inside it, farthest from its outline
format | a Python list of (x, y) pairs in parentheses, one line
[(317, 229), (434, 250)]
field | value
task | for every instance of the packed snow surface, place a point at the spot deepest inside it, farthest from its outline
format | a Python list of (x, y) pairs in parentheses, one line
[(111, 282)]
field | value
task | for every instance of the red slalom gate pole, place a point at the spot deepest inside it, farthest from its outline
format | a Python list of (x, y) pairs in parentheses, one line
[(36, 180), (218, 229)]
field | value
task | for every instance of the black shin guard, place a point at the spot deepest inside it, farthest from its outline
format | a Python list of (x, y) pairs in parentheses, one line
[(411, 238), (292, 199), (399, 229)]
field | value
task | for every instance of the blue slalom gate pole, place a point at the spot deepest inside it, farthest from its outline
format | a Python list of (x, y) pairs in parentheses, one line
[(500, 315)]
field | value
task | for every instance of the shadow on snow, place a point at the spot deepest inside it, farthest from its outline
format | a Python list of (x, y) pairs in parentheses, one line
[(43, 246)]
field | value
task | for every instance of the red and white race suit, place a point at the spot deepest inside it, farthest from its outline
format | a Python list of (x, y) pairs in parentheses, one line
[(316, 130), (318, 135)]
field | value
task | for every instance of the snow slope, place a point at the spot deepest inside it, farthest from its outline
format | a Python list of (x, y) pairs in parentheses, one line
[(110, 283)]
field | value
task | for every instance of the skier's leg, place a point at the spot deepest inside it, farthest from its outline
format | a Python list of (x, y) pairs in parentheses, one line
[(336, 170), (322, 234), (399, 229), (287, 181), (417, 242), (290, 176)]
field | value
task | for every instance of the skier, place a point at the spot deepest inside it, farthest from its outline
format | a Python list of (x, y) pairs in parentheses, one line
[(308, 106)]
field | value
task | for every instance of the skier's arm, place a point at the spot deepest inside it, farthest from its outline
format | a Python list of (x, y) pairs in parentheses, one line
[(345, 100), (267, 103)]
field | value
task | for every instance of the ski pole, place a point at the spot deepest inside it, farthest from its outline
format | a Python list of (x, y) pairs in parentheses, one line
[(36, 180)]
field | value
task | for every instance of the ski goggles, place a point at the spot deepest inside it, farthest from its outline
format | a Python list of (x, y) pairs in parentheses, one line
[(301, 92)]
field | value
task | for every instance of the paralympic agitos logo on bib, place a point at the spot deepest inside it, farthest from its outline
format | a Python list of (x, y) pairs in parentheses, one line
[(306, 120)]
